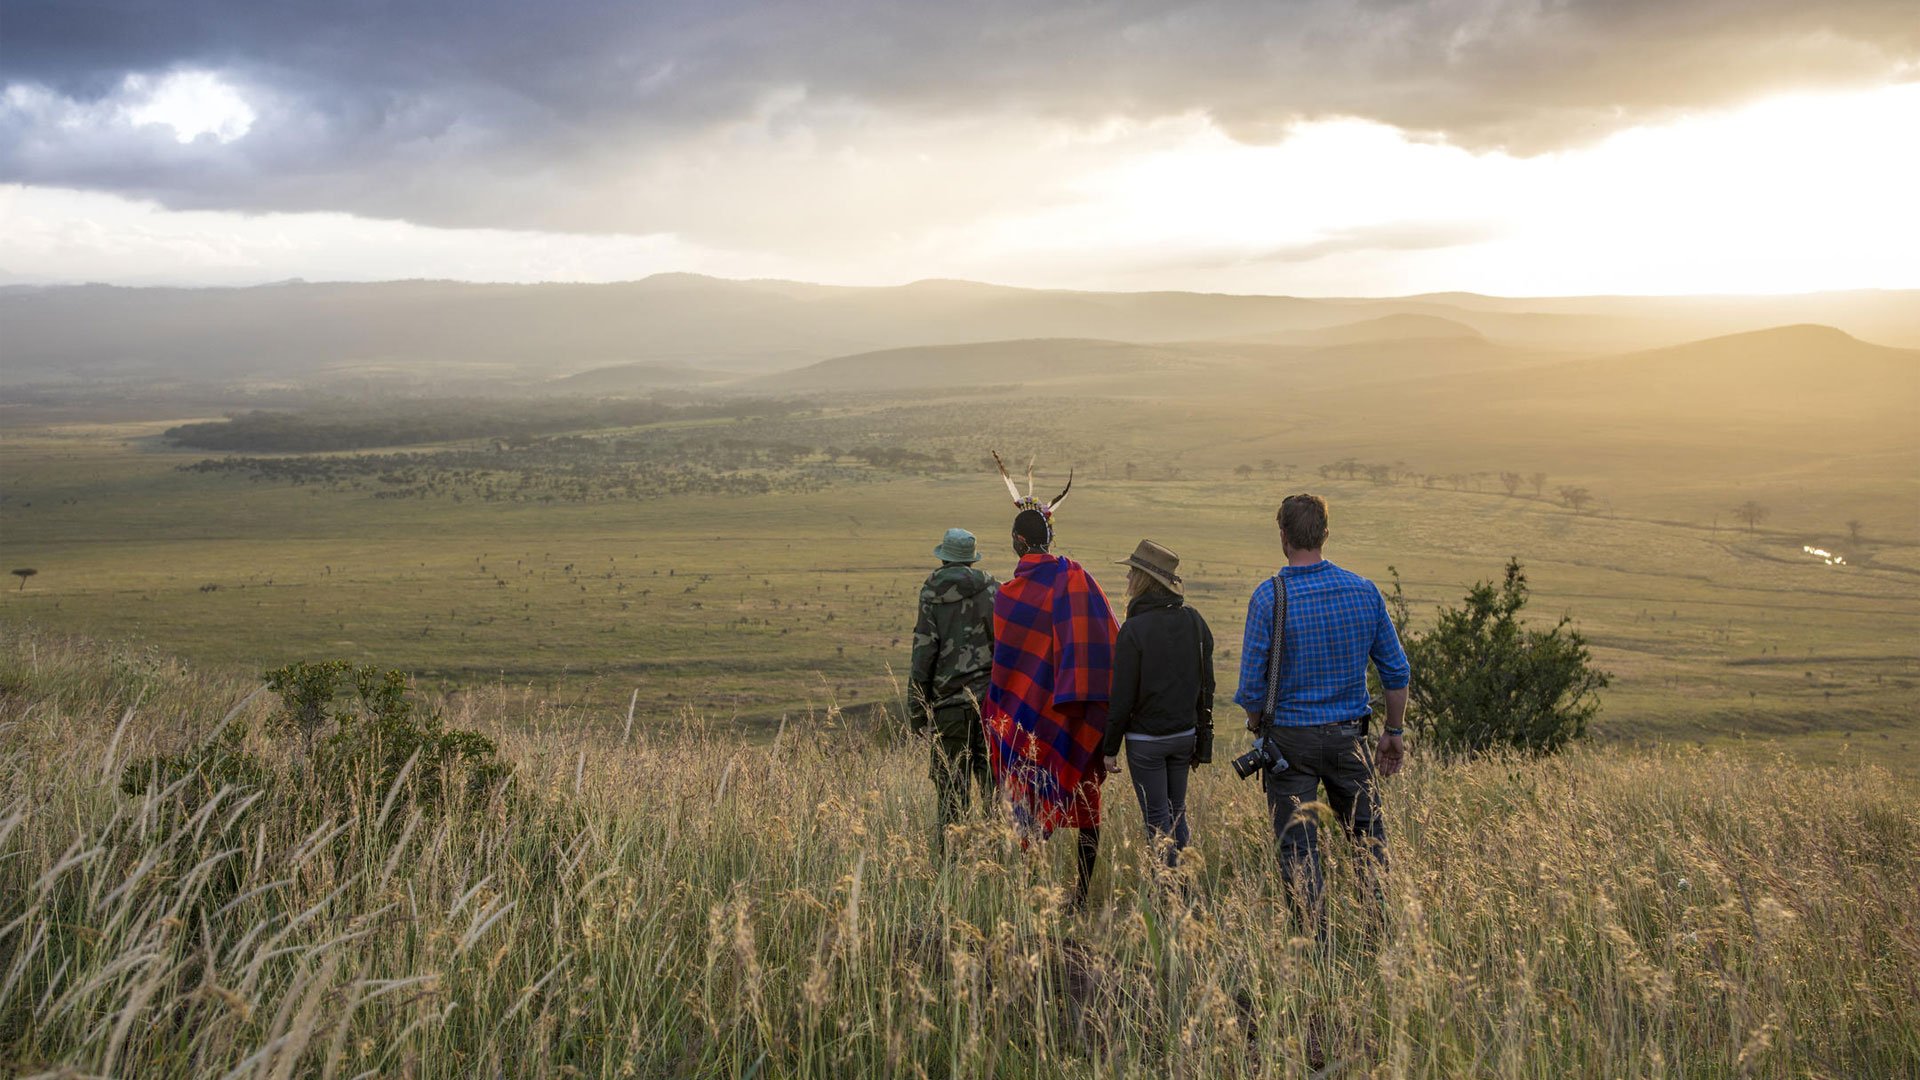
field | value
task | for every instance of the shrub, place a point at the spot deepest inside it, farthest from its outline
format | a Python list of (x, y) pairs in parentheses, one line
[(377, 732), (220, 762), (358, 733), (1483, 681)]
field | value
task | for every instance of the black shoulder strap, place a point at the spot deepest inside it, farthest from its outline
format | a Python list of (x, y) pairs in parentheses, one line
[(1199, 649), (1202, 702), (1273, 651)]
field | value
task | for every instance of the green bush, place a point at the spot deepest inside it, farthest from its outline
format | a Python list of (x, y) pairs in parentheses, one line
[(220, 762), (368, 739), (358, 732), (1483, 681)]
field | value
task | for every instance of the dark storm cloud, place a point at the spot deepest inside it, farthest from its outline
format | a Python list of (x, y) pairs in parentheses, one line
[(602, 115)]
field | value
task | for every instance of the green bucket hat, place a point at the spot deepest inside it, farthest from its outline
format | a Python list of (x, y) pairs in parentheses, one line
[(958, 546)]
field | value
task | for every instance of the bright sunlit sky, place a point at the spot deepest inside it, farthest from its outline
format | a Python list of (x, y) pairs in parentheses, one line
[(1320, 147)]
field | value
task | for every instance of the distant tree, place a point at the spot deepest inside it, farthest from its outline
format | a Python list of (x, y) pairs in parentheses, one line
[(1752, 513), (1575, 497), (1539, 482), (1131, 469), (1483, 681), (23, 574), (1269, 466), (1511, 481), (1854, 527), (1243, 471), (1379, 474)]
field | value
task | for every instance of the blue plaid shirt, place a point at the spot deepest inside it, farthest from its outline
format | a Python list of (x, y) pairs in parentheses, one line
[(1336, 621)]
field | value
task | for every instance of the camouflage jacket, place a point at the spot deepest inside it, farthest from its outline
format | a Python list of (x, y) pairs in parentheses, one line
[(953, 640)]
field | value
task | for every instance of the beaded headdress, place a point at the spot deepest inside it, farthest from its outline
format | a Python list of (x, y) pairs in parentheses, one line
[(1024, 503)]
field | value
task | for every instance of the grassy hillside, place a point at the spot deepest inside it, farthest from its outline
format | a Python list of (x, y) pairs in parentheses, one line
[(656, 899)]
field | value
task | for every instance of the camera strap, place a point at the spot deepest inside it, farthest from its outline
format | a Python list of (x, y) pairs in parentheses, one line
[(1273, 650)]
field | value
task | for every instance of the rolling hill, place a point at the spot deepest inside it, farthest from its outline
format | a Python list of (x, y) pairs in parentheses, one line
[(621, 379), (1787, 372), (1029, 362), (320, 332), (1401, 327)]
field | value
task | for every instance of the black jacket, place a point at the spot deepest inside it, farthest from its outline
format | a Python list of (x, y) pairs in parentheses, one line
[(1162, 671)]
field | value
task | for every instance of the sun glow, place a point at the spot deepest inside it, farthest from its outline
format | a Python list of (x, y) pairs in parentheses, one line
[(192, 103), (1792, 193)]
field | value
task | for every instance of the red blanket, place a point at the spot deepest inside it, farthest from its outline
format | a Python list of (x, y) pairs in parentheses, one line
[(1053, 635)]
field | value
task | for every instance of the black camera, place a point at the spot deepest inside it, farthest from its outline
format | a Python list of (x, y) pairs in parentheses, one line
[(1262, 756)]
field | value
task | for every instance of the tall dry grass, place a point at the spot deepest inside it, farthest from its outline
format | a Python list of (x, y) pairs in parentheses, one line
[(667, 900)]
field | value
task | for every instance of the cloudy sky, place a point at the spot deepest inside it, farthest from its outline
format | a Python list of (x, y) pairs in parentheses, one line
[(1296, 146)]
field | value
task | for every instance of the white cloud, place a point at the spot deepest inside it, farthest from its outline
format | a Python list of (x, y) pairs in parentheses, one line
[(55, 235)]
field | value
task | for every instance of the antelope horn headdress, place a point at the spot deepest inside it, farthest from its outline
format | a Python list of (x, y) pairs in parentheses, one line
[(1027, 501)]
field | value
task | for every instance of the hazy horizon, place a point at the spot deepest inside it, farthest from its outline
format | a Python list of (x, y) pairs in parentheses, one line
[(902, 283)]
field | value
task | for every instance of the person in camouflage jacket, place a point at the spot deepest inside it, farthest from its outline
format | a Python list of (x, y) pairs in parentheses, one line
[(952, 663)]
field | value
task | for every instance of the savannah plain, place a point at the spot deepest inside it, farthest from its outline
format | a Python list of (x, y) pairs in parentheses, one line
[(782, 578), (686, 621)]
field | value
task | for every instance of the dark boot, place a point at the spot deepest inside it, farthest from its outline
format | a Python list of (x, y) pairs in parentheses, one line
[(1086, 853)]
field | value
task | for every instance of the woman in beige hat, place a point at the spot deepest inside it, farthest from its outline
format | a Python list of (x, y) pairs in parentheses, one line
[(1162, 705)]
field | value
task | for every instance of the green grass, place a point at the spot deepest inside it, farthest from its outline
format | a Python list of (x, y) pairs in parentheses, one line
[(670, 901), (759, 607)]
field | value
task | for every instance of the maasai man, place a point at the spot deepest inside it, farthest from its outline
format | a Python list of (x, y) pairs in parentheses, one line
[(1046, 710)]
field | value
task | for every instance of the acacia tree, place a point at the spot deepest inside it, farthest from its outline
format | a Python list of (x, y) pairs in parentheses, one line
[(1510, 481), (1576, 497), (1854, 527), (1243, 471), (23, 574), (1484, 681), (1752, 513), (1538, 481)]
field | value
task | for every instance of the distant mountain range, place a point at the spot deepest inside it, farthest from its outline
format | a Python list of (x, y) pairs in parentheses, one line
[(679, 329)]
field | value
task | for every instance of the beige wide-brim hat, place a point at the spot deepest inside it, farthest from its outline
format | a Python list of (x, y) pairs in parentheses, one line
[(1158, 563)]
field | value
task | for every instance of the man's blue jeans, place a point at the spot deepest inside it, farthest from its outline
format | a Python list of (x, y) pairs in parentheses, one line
[(1337, 756)]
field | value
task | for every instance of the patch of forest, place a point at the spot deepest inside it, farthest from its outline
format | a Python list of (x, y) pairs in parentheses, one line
[(729, 448), (415, 423), (581, 468)]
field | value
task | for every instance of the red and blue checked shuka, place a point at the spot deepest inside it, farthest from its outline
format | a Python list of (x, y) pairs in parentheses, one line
[(1053, 637)]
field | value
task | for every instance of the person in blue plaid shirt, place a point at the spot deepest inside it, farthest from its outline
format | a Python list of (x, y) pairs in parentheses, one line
[(1335, 622)]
